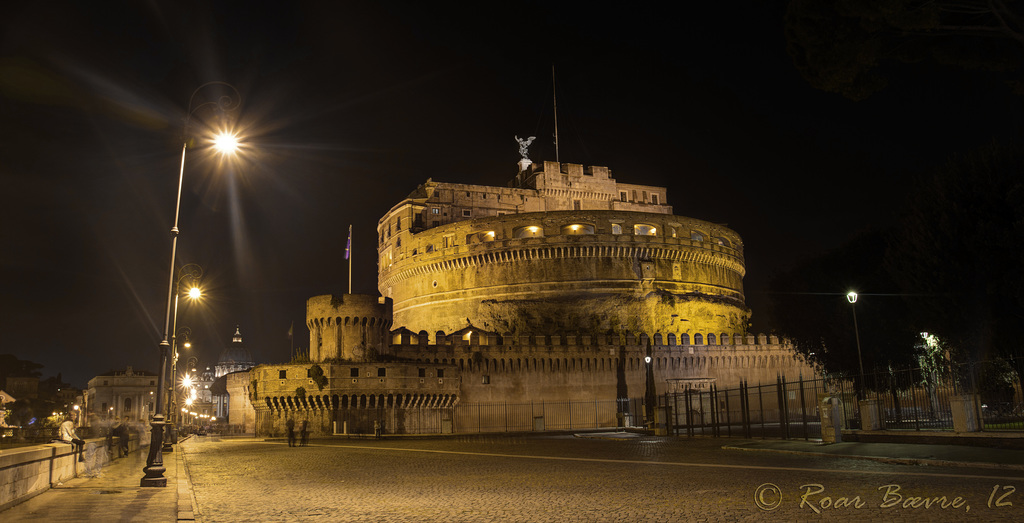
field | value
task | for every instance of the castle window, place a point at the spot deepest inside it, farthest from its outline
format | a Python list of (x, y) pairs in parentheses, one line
[(643, 229), (435, 210), (466, 213), (623, 195), (576, 205), (486, 380), (654, 199), (382, 372), (398, 242), (440, 373), (616, 228), (634, 195), (723, 242), (430, 248), (529, 231), (672, 231), (423, 373), (398, 223), (696, 236), (488, 236), (468, 194), (577, 228), (414, 252), (282, 374), (354, 372), (645, 196)]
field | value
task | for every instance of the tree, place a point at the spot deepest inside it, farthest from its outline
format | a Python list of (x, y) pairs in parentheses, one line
[(960, 250), (11, 366), (846, 46)]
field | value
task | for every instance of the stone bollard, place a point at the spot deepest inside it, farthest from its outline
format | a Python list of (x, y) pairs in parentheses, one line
[(870, 416), (965, 413), (831, 422)]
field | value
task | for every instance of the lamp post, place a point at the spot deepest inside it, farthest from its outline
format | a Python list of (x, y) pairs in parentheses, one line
[(189, 274), (225, 142), (852, 298)]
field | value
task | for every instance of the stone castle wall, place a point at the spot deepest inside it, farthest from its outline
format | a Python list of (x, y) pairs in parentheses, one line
[(467, 369), (567, 271)]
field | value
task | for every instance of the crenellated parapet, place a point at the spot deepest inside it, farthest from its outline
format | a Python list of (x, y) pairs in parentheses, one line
[(347, 326)]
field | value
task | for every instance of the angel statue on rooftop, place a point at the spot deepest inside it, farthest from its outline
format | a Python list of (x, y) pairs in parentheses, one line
[(524, 144)]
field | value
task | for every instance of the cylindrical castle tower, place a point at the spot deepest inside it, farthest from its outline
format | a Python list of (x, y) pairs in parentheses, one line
[(349, 327), (573, 251)]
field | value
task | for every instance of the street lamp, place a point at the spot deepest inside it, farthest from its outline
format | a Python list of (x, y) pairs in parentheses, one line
[(188, 277), (852, 298), (154, 469)]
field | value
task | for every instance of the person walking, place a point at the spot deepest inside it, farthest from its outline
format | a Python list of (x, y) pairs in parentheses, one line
[(290, 425), (69, 435), (121, 433), (304, 432)]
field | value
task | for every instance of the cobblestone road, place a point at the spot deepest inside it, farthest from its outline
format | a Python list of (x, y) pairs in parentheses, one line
[(567, 479)]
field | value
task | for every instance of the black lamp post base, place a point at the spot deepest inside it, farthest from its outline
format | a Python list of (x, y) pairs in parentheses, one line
[(157, 481), (154, 468)]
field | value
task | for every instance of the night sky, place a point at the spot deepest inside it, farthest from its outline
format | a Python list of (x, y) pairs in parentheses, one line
[(348, 106)]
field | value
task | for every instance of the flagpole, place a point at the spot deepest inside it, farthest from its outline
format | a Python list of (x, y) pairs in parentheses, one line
[(348, 251)]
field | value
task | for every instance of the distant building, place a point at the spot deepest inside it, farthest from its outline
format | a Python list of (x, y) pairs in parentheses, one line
[(234, 358), (118, 393)]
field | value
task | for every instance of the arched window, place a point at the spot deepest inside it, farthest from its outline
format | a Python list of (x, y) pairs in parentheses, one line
[(698, 339), (645, 229), (711, 339), (577, 228), (529, 231), (696, 236)]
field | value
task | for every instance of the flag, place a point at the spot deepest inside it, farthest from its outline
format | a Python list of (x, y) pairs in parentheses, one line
[(291, 329), (348, 245)]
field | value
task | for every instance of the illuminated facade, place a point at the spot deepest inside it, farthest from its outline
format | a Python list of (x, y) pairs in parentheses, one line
[(565, 286)]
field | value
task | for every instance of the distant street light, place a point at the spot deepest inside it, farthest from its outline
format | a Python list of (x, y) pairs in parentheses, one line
[(188, 277), (154, 469), (852, 298)]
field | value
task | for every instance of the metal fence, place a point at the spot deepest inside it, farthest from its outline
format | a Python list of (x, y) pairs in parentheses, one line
[(908, 399), (778, 410)]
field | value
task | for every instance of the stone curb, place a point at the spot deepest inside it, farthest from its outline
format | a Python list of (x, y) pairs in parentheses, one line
[(891, 460)]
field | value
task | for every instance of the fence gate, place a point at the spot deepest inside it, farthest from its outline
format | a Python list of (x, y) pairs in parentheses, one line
[(786, 410)]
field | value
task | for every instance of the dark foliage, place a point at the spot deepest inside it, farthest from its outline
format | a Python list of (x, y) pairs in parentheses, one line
[(850, 46)]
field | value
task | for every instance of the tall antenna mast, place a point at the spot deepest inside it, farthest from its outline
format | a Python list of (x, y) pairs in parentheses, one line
[(554, 96)]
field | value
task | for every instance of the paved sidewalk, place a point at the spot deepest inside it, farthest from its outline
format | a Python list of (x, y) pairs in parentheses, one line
[(114, 495), (906, 453)]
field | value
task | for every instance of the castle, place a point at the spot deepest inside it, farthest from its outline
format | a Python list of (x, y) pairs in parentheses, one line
[(565, 288)]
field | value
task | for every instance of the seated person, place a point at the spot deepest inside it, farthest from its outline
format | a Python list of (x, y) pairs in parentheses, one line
[(69, 435)]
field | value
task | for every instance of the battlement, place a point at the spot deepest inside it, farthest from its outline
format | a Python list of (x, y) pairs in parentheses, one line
[(476, 338)]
